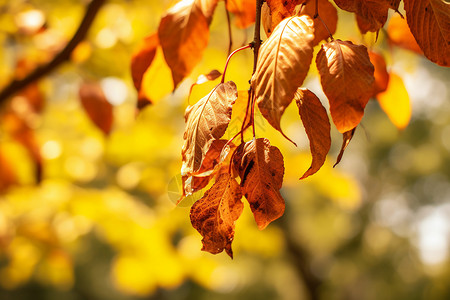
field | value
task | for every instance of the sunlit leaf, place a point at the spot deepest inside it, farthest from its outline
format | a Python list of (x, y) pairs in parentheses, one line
[(281, 9), (346, 138), (215, 213), (429, 21), (208, 7), (400, 35), (96, 106), (395, 102), (183, 34), (317, 126), (261, 168), (346, 74), (283, 63), (244, 11), (328, 14), (380, 73), (372, 13), (142, 59)]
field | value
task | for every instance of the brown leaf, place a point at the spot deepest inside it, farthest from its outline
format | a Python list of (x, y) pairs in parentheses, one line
[(183, 34), (96, 106), (7, 174), (400, 35), (203, 78), (429, 21), (261, 168), (328, 14), (142, 58), (317, 126), (372, 13), (283, 63), (206, 121), (266, 19), (380, 73), (244, 10), (347, 137), (214, 215), (346, 75), (281, 9)]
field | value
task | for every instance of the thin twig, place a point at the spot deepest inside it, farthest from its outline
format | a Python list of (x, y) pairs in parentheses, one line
[(230, 34), (17, 85)]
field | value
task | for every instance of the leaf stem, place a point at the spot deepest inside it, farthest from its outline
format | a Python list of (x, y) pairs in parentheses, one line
[(228, 60)]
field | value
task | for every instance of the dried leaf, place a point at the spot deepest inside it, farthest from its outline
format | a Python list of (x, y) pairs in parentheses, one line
[(395, 102), (346, 74), (96, 106), (372, 13), (206, 121), (317, 126), (429, 21), (142, 59), (266, 19), (183, 34), (261, 168), (214, 215), (380, 73), (244, 10), (347, 137), (283, 63), (328, 14), (203, 78), (400, 35), (282, 9)]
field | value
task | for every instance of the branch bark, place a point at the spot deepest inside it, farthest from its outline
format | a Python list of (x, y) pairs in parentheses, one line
[(17, 85), (257, 34)]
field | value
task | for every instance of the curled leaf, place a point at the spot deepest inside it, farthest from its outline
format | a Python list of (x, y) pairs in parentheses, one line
[(283, 63), (317, 126), (328, 14), (347, 137), (372, 14), (261, 168), (142, 59), (346, 75), (214, 215)]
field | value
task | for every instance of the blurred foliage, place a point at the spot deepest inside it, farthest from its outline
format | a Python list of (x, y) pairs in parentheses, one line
[(102, 223)]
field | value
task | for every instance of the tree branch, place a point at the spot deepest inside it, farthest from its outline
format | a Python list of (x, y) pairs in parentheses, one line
[(17, 85), (257, 34)]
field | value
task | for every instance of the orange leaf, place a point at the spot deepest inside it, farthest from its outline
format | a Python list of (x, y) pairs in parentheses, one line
[(317, 126), (244, 10), (261, 168), (96, 106), (380, 73), (429, 21), (283, 63), (281, 9), (400, 35), (7, 175), (328, 14), (395, 102), (346, 74), (206, 121), (347, 137), (142, 59), (208, 7), (214, 215), (266, 19), (372, 13), (183, 34)]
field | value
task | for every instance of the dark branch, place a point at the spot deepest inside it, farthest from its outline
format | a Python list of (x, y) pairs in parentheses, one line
[(17, 85), (257, 34)]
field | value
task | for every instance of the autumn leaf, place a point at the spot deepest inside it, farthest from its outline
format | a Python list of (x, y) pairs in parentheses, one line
[(96, 106), (328, 14), (244, 10), (346, 138), (400, 35), (206, 121), (208, 7), (7, 174), (380, 73), (283, 63), (261, 168), (281, 9), (214, 215), (317, 126), (429, 21), (395, 102), (203, 78), (266, 19), (372, 13), (346, 75), (142, 59), (183, 33)]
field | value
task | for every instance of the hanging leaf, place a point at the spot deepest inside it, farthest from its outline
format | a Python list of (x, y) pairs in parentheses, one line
[(372, 13), (346, 75), (400, 35), (328, 14), (96, 106), (183, 34), (317, 126), (347, 137), (283, 63), (203, 78), (142, 59), (244, 10), (206, 121), (429, 21), (380, 73), (395, 102), (261, 168), (214, 215), (266, 19), (281, 9)]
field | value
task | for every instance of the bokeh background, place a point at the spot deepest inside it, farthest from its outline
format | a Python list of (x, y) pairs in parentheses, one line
[(102, 223)]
